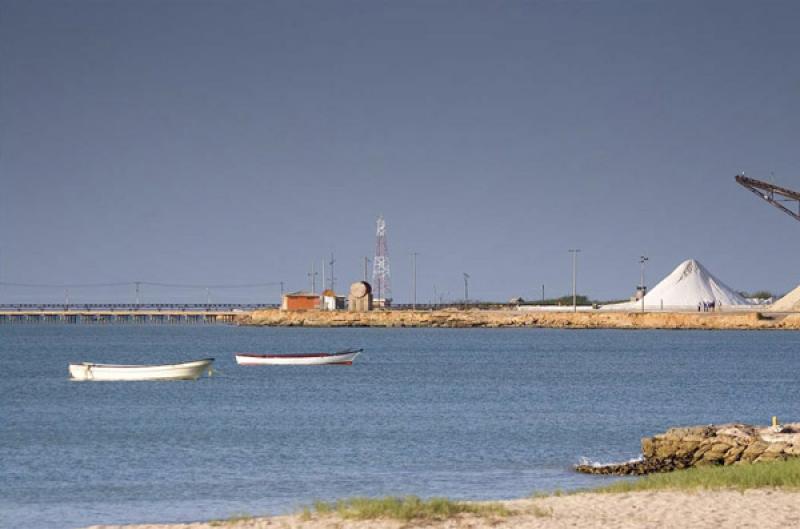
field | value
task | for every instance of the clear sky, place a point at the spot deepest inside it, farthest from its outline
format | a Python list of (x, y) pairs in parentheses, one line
[(238, 142)]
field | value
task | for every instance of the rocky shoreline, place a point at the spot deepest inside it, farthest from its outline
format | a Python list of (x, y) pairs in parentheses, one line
[(453, 318), (727, 444)]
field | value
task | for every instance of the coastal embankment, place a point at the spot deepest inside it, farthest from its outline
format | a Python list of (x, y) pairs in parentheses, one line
[(454, 318)]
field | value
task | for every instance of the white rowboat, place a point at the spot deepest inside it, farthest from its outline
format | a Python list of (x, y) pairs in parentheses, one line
[(302, 359), (185, 371)]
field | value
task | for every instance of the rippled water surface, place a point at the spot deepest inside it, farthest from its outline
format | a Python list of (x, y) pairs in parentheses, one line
[(479, 413)]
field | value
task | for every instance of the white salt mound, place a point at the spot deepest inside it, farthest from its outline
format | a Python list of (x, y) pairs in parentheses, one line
[(689, 284), (789, 302)]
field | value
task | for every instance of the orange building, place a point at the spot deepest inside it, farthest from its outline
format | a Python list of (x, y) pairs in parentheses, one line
[(300, 301)]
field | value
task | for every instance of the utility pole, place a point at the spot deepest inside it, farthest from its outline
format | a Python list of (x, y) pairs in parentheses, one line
[(333, 278), (208, 297), (66, 298), (138, 300), (642, 260), (313, 278), (281, 291), (435, 296), (542, 293), (574, 252), (323, 274), (466, 289), (366, 268), (414, 279)]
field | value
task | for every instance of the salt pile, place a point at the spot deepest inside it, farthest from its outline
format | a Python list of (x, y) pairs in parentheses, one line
[(788, 303), (687, 286)]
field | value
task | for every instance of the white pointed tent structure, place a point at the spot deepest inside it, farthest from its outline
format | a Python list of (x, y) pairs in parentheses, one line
[(689, 284)]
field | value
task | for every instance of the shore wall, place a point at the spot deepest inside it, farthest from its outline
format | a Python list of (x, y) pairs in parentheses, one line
[(510, 318), (727, 444)]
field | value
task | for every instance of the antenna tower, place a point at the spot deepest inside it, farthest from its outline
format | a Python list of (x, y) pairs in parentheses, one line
[(381, 274)]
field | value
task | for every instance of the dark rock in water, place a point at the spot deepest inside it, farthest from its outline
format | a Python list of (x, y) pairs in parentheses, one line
[(636, 468), (728, 444)]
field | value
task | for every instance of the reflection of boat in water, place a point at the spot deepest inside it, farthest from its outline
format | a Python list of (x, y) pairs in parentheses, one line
[(184, 371), (302, 359)]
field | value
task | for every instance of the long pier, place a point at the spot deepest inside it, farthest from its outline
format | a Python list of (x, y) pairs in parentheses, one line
[(108, 313)]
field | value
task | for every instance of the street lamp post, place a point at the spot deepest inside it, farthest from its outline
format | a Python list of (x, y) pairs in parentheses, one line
[(574, 252), (414, 279), (642, 260)]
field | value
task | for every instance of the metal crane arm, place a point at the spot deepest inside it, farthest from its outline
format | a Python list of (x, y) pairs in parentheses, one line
[(767, 191)]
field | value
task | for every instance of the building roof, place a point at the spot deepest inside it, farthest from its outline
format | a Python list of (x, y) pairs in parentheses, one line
[(301, 294)]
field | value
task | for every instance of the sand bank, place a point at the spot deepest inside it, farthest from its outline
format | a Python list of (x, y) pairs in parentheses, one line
[(765, 509), (513, 318)]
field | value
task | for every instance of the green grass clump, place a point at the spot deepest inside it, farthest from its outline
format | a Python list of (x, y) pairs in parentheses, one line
[(554, 493), (235, 518), (406, 509), (775, 474)]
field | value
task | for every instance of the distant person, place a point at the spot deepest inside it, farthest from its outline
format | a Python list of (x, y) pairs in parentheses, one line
[(698, 306)]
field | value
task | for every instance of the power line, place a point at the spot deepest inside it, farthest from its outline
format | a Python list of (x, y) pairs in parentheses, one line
[(134, 283), (64, 285), (180, 285)]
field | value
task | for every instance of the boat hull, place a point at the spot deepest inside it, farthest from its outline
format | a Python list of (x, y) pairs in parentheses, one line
[(344, 358), (110, 372)]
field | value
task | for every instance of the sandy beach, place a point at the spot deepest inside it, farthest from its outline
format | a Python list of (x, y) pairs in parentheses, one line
[(762, 508)]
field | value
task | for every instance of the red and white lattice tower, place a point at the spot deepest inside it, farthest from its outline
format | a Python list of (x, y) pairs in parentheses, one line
[(381, 274)]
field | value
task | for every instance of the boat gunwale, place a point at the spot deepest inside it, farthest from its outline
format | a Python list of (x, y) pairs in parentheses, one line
[(301, 355), (142, 366)]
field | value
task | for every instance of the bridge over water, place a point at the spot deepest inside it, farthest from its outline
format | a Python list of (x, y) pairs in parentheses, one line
[(129, 313)]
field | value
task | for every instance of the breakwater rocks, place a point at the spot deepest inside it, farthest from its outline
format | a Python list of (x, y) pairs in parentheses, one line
[(727, 444), (513, 318)]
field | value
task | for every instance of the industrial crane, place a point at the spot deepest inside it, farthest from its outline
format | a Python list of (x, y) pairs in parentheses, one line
[(775, 195)]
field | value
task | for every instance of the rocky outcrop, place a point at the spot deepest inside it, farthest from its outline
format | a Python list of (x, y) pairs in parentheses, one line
[(727, 444), (513, 318)]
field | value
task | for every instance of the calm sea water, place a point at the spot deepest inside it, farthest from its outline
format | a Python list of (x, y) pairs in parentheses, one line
[(484, 413)]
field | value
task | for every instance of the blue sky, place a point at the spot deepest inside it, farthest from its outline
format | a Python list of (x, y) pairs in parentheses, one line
[(238, 142)]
